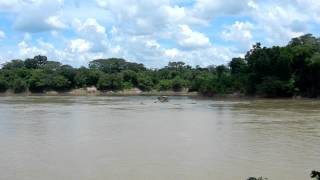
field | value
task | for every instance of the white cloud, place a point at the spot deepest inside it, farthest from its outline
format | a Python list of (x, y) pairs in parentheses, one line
[(37, 16), (311, 6), (79, 46), (172, 53), (187, 38), (175, 13), (203, 57), (55, 22), (8, 5), (94, 32), (208, 9), (102, 3), (239, 33), (140, 17), (2, 34), (278, 24), (26, 50), (89, 26), (153, 32)]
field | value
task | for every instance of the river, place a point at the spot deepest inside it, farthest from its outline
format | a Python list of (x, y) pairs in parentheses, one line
[(134, 138)]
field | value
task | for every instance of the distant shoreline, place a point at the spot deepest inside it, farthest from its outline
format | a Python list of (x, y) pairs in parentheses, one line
[(94, 92)]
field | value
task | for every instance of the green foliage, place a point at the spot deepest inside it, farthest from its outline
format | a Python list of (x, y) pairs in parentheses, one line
[(239, 75), (68, 72), (178, 84), (203, 84), (165, 85), (85, 77), (51, 65), (144, 82), (115, 65), (36, 62), (238, 66), (110, 82), (38, 81), (3, 84), (14, 64), (130, 77), (280, 71), (313, 75), (19, 85), (60, 83), (273, 87), (31, 63)]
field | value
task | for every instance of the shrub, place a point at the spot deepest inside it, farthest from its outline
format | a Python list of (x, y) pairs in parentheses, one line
[(60, 83), (165, 85), (19, 85), (178, 84), (145, 83), (110, 82), (3, 85)]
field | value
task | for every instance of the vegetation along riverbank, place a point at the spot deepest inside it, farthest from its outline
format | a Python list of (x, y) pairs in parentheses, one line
[(292, 70)]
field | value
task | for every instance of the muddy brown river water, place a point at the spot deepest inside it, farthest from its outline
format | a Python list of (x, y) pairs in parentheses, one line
[(133, 138)]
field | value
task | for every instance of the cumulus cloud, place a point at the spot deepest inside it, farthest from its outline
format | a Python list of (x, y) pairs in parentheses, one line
[(55, 22), (203, 57), (6, 5), (37, 16), (280, 21), (200, 32), (79, 46), (90, 26), (94, 32), (2, 34), (187, 38), (208, 9), (76, 52), (143, 17), (26, 50), (239, 33)]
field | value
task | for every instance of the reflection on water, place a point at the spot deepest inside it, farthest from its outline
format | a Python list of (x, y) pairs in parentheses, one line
[(49, 138)]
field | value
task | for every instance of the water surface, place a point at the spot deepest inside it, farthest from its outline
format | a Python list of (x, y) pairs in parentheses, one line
[(122, 138)]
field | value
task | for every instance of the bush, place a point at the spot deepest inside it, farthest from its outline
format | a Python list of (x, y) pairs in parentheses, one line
[(60, 83), (110, 82), (127, 85), (14, 64), (131, 77), (145, 83), (165, 85), (273, 87), (38, 81), (19, 85), (3, 85), (178, 84), (67, 71)]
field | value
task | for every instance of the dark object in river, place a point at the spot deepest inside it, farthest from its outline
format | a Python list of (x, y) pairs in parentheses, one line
[(315, 174), (259, 178), (163, 99)]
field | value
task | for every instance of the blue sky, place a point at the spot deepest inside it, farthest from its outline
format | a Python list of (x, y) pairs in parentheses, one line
[(199, 32)]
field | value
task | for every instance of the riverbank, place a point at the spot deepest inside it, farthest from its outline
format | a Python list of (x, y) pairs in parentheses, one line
[(92, 91)]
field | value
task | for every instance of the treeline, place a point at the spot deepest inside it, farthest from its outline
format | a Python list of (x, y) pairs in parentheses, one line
[(292, 70)]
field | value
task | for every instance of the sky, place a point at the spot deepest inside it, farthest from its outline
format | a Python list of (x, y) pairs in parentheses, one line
[(152, 32)]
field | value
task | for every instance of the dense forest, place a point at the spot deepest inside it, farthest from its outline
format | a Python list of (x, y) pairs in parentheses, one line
[(292, 70)]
